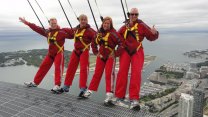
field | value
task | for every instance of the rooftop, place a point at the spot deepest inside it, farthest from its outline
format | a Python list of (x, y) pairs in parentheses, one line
[(19, 101)]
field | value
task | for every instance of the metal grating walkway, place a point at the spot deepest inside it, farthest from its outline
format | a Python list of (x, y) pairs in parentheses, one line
[(19, 101)]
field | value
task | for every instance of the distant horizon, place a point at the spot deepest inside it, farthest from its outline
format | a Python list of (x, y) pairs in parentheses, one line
[(29, 32)]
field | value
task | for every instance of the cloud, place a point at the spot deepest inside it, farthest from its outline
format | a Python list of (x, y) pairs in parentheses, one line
[(165, 14)]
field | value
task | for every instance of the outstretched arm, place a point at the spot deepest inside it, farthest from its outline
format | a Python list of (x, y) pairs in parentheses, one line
[(69, 33), (34, 27)]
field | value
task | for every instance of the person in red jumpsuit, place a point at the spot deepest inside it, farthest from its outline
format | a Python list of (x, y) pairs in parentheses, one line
[(107, 39), (56, 38), (134, 31), (83, 37)]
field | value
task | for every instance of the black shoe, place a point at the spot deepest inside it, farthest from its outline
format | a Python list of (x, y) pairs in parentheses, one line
[(109, 103), (134, 105), (136, 108), (81, 95), (65, 88), (56, 90)]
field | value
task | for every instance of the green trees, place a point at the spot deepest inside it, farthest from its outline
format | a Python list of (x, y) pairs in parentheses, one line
[(157, 95), (30, 57)]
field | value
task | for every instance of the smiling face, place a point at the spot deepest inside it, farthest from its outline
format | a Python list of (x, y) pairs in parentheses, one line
[(53, 23), (83, 20), (134, 14), (106, 25)]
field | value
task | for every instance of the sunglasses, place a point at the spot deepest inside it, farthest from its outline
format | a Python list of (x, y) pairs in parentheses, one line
[(136, 14)]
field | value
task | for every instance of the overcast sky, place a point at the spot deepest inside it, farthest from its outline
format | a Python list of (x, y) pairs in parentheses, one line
[(165, 14)]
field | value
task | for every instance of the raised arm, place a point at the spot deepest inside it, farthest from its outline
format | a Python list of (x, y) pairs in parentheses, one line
[(34, 27), (150, 33)]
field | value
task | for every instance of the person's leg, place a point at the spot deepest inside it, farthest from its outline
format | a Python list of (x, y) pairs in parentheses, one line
[(59, 62), (122, 77), (99, 68), (71, 70), (43, 69), (84, 69), (136, 71), (135, 81), (109, 79), (110, 74)]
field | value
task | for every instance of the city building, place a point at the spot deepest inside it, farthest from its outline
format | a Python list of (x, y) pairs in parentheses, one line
[(191, 84), (193, 64), (191, 75), (150, 88), (203, 71), (186, 103), (198, 102)]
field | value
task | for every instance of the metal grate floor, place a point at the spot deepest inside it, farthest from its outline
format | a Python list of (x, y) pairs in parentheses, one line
[(19, 101)]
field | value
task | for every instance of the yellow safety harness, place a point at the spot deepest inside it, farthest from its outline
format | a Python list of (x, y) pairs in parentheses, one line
[(134, 28), (53, 39), (80, 37), (105, 39)]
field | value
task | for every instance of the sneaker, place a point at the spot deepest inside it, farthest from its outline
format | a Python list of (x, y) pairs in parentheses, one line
[(30, 84), (108, 100), (56, 89), (87, 94), (65, 88), (81, 94), (121, 102), (134, 105)]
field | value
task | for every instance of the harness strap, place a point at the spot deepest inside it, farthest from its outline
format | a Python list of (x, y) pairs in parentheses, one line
[(80, 36), (134, 28), (129, 30), (53, 38), (105, 39)]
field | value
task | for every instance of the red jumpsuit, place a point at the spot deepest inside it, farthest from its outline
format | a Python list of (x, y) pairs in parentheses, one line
[(105, 60), (56, 37), (134, 56), (83, 38)]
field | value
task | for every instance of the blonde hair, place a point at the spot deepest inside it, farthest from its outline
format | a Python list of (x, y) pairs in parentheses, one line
[(52, 18), (82, 16), (110, 19)]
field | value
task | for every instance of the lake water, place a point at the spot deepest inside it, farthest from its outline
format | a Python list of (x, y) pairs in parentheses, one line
[(169, 47)]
